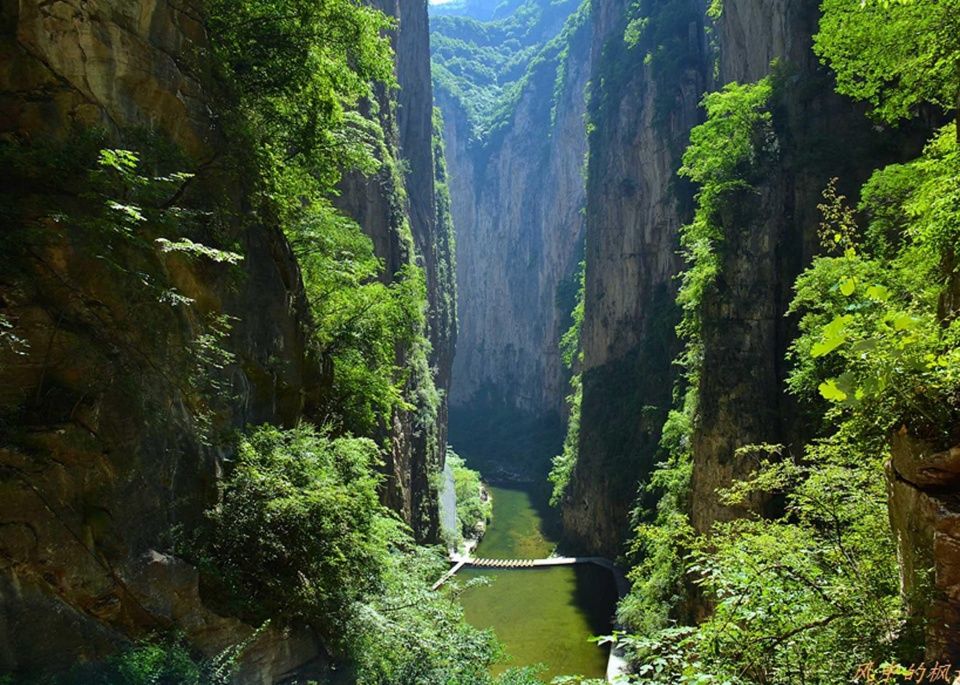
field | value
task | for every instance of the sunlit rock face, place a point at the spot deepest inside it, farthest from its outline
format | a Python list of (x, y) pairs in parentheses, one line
[(101, 454), (922, 486), (517, 198)]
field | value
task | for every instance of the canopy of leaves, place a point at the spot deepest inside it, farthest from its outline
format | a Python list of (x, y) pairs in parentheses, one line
[(293, 70), (875, 343), (474, 507), (812, 594), (300, 536), (894, 54), (724, 157), (298, 72), (300, 532)]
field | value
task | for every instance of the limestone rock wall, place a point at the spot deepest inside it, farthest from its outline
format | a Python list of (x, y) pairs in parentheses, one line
[(635, 206), (770, 238), (516, 207)]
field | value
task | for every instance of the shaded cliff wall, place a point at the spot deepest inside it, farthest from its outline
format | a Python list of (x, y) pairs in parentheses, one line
[(516, 203), (399, 212), (103, 446), (770, 240), (635, 207)]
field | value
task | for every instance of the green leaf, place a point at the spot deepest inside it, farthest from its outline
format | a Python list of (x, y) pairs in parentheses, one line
[(834, 335), (848, 287), (878, 293), (187, 246), (831, 392), (904, 322)]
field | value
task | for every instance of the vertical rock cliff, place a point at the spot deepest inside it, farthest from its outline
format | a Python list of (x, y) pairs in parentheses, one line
[(105, 445), (391, 214), (635, 206), (517, 195), (770, 240)]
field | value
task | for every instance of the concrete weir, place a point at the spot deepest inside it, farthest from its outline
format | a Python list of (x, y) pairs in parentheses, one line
[(616, 663)]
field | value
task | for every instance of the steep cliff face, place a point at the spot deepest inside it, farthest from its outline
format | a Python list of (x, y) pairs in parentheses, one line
[(516, 202), (400, 214), (770, 240), (635, 206), (106, 443)]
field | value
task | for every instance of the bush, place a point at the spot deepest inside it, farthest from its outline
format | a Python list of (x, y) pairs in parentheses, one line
[(474, 507), (300, 532)]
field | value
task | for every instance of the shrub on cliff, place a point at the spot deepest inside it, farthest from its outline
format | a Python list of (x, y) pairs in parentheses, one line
[(299, 532), (300, 536)]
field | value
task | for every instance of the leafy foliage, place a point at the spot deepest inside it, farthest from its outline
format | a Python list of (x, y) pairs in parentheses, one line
[(297, 72), (662, 541), (572, 355), (816, 592), (300, 535), (153, 661), (294, 70), (300, 532), (876, 343), (725, 156), (474, 507), (894, 55), (809, 595)]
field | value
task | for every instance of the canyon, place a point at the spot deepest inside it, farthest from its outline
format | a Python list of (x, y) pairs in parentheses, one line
[(665, 225)]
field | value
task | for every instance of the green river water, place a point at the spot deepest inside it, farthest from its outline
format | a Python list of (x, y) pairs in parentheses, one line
[(544, 615)]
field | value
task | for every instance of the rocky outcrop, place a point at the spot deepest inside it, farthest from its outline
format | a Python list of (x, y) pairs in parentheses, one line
[(925, 517), (105, 447), (517, 198)]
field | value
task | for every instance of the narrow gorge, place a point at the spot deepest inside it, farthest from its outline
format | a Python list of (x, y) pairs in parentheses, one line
[(479, 342)]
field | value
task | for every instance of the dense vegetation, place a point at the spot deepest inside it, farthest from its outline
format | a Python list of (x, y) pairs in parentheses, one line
[(296, 72), (563, 463), (300, 536), (474, 506), (485, 64)]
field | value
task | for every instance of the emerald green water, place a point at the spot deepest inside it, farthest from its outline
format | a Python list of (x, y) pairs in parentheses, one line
[(519, 526), (542, 615)]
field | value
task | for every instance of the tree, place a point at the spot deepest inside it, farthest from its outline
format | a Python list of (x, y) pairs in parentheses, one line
[(895, 54)]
